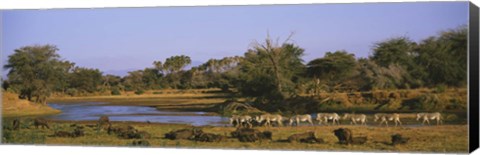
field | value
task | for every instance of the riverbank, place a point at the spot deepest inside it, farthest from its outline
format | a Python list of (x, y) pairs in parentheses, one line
[(12, 106), (170, 100), (440, 139), (401, 100)]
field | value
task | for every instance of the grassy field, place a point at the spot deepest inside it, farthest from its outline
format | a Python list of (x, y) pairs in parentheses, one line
[(444, 138)]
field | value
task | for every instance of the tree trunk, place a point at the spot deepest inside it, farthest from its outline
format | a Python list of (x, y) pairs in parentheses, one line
[(276, 72)]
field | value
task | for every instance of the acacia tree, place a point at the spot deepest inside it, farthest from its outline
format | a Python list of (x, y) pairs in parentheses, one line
[(268, 70), (400, 51), (36, 71), (134, 80), (172, 64), (333, 68), (172, 68), (444, 58), (373, 76)]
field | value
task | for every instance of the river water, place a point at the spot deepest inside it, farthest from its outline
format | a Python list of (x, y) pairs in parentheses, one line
[(93, 110)]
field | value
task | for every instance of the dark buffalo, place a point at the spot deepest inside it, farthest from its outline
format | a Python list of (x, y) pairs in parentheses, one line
[(78, 132), (398, 139), (307, 137), (128, 132), (251, 135), (344, 135), (40, 122), (209, 137), (183, 134)]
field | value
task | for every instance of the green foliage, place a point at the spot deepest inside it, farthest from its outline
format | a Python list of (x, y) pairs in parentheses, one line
[(333, 67), (394, 51), (172, 64), (139, 92), (269, 70), (111, 81), (372, 76), (85, 79), (115, 91), (427, 102), (72, 92), (440, 88), (444, 58), (134, 80), (36, 71)]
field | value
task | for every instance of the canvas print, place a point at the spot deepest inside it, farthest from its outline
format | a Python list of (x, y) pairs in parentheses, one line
[(376, 77)]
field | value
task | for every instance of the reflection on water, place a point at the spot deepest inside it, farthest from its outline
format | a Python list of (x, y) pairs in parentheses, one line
[(92, 111)]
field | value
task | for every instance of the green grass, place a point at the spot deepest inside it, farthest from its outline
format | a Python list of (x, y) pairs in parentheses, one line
[(444, 138)]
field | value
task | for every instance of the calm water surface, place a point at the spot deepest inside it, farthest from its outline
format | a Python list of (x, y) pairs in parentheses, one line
[(93, 110)]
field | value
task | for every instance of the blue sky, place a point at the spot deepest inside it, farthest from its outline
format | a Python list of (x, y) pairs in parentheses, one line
[(118, 40)]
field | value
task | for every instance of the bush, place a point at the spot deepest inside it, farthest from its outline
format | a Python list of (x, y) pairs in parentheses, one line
[(115, 91), (71, 91), (428, 102), (440, 89), (139, 92)]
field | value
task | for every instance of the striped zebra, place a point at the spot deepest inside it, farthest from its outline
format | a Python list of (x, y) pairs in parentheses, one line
[(430, 116)]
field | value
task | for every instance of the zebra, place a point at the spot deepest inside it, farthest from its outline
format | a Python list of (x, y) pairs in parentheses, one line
[(321, 117), (301, 118), (269, 118), (384, 118), (240, 120), (362, 118), (430, 116)]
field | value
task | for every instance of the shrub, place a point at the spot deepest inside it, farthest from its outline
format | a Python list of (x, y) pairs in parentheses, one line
[(139, 92), (428, 102), (72, 92), (440, 89), (115, 91)]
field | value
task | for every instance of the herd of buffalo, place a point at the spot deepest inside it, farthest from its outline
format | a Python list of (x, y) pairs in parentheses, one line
[(243, 134)]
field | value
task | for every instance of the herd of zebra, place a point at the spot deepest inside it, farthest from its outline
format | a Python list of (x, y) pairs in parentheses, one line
[(325, 118)]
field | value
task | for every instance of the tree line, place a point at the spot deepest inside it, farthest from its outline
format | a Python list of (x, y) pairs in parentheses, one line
[(268, 71)]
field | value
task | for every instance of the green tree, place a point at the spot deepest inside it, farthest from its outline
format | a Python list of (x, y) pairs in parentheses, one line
[(269, 70), (333, 68), (373, 76), (400, 50), (36, 71), (172, 68), (444, 58), (151, 78), (134, 80), (172, 64), (109, 81), (86, 79)]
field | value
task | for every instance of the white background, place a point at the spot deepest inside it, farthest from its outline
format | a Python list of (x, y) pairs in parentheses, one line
[(69, 150)]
